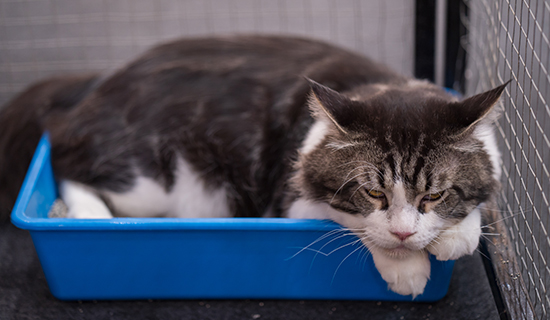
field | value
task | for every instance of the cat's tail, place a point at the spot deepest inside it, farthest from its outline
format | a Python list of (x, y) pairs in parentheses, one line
[(21, 125)]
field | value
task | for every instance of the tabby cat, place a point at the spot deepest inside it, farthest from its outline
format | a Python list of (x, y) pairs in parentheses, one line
[(245, 126)]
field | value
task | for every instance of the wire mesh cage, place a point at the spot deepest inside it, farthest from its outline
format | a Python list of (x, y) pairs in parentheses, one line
[(509, 40), (39, 38)]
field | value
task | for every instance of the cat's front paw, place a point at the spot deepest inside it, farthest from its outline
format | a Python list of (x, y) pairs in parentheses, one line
[(406, 276), (92, 211), (82, 202), (459, 240)]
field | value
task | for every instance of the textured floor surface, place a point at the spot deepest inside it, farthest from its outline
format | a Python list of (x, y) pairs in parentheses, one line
[(24, 294)]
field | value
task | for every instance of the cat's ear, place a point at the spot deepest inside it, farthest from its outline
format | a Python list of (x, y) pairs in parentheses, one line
[(330, 105), (471, 111)]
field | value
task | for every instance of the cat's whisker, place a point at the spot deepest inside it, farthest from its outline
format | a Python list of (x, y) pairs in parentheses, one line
[(339, 237), (364, 254), (316, 251), (481, 253), (346, 182), (367, 165), (328, 234), (334, 250), (513, 213), (355, 229), (367, 252), (367, 240), (360, 167), (486, 235), (336, 271), (499, 220), (355, 191), (354, 161), (445, 203), (378, 172), (470, 231), (343, 246), (435, 248), (365, 235)]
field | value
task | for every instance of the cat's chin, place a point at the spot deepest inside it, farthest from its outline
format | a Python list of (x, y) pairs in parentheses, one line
[(398, 252)]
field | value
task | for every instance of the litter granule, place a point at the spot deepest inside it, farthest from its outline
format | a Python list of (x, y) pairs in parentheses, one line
[(58, 210)]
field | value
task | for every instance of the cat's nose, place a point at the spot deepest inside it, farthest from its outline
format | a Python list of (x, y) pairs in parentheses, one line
[(403, 235)]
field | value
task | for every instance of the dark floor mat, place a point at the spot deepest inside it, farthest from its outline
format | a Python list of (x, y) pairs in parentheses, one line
[(24, 294)]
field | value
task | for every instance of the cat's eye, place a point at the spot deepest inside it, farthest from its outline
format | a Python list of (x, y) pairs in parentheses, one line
[(433, 196), (376, 194)]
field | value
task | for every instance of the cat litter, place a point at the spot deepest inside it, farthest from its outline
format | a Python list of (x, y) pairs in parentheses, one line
[(58, 209), (222, 258)]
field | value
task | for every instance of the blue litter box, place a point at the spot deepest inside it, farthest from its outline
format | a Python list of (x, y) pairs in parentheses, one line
[(166, 258)]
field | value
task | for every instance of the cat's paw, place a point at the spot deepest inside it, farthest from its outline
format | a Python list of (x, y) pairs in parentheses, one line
[(406, 276), (89, 211), (459, 240), (82, 202)]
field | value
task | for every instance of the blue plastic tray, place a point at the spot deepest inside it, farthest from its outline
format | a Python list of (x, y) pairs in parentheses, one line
[(165, 258)]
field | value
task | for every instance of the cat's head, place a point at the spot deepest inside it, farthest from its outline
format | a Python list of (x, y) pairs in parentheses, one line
[(398, 164)]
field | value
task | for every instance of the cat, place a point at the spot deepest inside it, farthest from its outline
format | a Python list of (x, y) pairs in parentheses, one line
[(272, 126)]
